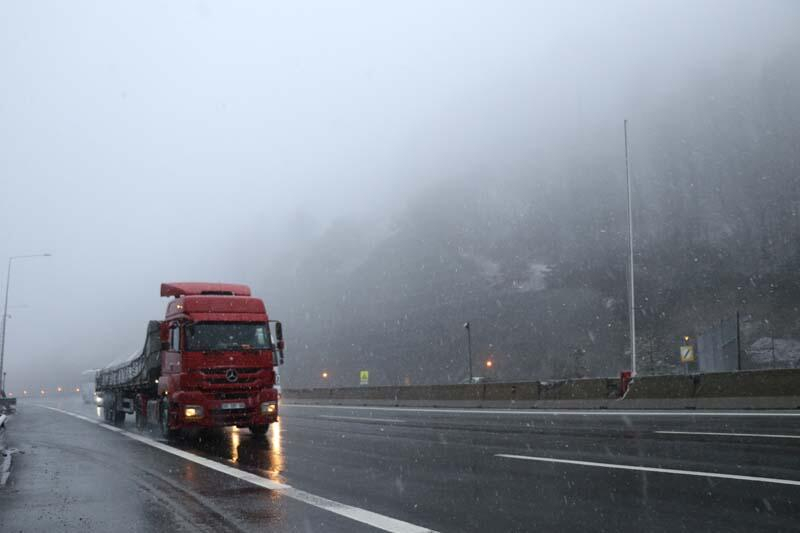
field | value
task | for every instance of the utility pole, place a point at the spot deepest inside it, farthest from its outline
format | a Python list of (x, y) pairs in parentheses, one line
[(469, 348), (738, 343), (772, 336), (631, 298), (3, 332)]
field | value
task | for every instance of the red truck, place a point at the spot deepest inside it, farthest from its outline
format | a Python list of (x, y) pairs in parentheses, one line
[(210, 363)]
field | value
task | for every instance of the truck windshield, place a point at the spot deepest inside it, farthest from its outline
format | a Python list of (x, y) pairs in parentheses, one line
[(227, 336)]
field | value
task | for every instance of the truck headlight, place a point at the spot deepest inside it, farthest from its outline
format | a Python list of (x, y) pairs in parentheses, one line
[(193, 411), (269, 408)]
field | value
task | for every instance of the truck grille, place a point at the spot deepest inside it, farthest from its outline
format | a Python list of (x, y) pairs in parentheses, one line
[(221, 371), (231, 395), (223, 381), (245, 377)]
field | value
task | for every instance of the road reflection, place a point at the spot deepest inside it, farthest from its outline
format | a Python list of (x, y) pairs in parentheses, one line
[(242, 448), (276, 452), (235, 441)]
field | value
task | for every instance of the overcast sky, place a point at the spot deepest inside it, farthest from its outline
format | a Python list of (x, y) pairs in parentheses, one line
[(147, 142)]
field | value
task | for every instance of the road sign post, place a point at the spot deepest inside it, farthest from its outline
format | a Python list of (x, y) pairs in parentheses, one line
[(687, 356)]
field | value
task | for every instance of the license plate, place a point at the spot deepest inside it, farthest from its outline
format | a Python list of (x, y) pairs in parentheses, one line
[(234, 405)]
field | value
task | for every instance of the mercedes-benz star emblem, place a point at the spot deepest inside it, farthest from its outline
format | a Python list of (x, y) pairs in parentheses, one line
[(231, 375)]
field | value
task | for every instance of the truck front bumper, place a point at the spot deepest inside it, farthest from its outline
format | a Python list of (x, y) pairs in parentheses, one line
[(198, 410)]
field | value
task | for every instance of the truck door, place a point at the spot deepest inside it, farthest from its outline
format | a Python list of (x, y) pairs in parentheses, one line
[(172, 357)]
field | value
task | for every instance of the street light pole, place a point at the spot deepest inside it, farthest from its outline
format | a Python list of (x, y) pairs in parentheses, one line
[(5, 315), (632, 300), (469, 348)]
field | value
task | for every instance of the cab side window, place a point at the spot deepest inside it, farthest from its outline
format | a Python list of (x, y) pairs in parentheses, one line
[(175, 338)]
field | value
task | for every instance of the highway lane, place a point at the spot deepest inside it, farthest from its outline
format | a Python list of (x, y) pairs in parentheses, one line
[(468, 470), (443, 466), (76, 476)]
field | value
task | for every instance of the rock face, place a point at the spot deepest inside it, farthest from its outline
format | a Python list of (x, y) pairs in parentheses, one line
[(535, 257)]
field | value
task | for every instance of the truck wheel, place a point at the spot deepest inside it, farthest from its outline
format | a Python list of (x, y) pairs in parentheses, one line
[(141, 416), (140, 421), (108, 408), (259, 431), (166, 432)]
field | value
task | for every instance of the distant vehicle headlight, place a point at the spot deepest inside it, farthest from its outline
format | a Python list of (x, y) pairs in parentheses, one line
[(193, 411), (268, 408), (98, 400)]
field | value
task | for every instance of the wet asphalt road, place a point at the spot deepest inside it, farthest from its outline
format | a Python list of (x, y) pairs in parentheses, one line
[(443, 470)]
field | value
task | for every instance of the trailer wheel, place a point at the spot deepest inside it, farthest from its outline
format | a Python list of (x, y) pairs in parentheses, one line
[(140, 411), (259, 432), (141, 419), (110, 407), (166, 432)]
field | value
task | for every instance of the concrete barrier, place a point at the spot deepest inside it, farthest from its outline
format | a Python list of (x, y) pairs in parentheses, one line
[(579, 389), (752, 383), (526, 394), (761, 389), (656, 387), (522, 395), (363, 393)]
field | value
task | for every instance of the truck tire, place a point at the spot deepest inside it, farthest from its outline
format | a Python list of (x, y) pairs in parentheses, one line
[(109, 407), (166, 432), (259, 432), (141, 417)]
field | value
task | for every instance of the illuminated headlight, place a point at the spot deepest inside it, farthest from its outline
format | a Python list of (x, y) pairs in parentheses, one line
[(98, 400), (193, 411), (268, 408)]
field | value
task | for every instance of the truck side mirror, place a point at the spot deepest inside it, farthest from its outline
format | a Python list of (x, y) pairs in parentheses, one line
[(281, 345)]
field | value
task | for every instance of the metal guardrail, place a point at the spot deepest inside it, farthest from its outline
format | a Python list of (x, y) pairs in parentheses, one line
[(5, 454), (3, 419), (7, 404)]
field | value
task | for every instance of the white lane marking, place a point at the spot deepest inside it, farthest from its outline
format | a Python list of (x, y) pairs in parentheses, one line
[(547, 412), (721, 434), (376, 520), (361, 418), (653, 469)]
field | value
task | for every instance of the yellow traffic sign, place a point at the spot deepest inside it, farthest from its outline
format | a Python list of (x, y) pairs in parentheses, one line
[(687, 354), (364, 375)]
